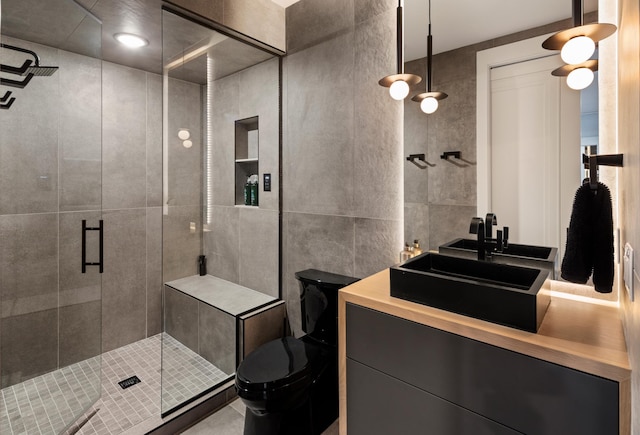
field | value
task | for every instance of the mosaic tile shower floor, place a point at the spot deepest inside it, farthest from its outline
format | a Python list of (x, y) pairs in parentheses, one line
[(41, 405)]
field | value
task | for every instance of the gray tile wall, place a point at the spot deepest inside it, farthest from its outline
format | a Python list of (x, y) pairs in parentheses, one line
[(104, 135), (242, 243), (342, 142)]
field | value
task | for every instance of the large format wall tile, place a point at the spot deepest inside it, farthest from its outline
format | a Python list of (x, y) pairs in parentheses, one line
[(154, 140), (263, 20), (124, 107), (180, 245), (181, 317), (217, 337), (416, 223), (448, 222), (124, 280), (29, 141), (80, 132), (314, 242), (80, 332), (258, 250), (222, 242), (28, 263), (154, 271), (29, 346)]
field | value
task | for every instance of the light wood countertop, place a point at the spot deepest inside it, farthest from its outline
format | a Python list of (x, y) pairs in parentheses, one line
[(581, 335)]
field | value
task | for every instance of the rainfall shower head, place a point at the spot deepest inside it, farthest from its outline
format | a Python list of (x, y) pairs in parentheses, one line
[(40, 71)]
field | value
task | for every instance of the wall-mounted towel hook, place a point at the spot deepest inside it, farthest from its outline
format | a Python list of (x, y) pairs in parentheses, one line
[(456, 156), (413, 157), (592, 162)]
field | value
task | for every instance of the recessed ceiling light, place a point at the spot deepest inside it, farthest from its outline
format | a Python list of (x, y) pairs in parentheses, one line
[(130, 40)]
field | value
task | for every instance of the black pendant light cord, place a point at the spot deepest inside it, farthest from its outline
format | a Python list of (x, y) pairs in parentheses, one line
[(429, 51), (400, 38)]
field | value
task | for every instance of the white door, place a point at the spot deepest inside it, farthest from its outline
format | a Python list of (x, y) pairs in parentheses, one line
[(534, 151)]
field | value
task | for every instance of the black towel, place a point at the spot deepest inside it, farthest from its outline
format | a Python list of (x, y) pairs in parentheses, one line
[(590, 239)]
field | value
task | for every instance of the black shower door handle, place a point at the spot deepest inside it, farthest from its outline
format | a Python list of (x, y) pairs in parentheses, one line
[(100, 230)]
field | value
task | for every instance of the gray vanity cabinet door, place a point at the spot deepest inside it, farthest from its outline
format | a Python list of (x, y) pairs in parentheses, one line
[(529, 395), (381, 405)]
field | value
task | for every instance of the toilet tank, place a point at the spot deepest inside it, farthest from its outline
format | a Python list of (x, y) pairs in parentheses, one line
[(319, 303)]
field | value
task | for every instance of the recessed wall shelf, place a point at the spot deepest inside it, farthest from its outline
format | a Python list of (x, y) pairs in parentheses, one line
[(246, 161)]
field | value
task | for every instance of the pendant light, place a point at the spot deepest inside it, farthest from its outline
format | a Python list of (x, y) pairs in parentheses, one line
[(576, 46), (400, 83), (429, 100)]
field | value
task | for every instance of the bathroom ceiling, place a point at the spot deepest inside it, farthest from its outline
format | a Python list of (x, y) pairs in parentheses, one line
[(481, 20)]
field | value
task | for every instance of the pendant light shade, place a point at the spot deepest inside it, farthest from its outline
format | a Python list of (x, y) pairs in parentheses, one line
[(429, 101), (577, 45), (399, 84)]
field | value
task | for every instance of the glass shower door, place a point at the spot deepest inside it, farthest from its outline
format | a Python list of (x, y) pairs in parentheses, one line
[(50, 215)]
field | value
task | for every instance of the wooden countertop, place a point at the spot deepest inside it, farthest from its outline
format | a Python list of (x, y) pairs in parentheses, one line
[(581, 335)]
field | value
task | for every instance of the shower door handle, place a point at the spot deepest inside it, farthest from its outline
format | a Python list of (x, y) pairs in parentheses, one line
[(100, 230)]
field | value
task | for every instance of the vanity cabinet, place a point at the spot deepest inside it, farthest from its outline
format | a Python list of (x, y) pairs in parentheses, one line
[(407, 377)]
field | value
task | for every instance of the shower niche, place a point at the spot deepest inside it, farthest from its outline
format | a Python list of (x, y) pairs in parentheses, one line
[(246, 163)]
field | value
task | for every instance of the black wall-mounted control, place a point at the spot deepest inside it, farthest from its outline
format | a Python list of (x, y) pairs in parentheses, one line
[(267, 183)]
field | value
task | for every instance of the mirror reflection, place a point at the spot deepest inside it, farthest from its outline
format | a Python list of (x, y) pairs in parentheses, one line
[(529, 187)]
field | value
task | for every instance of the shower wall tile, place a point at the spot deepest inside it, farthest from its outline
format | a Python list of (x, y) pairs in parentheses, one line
[(217, 341), (314, 241), (124, 280), (80, 132), (27, 355), (28, 263), (29, 145), (448, 222), (185, 164), (180, 245), (124, 137), (258, 250), (181, 317), (154, 140), (154, 271), (226, 93), (310, 22), (77, 287), (80, 332), (367, 9), (376, 243), (222, 243)]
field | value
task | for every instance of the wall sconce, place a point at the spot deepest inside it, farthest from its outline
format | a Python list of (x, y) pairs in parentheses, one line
[(429, 100), (399, 83), (184, 135), (576, 46)]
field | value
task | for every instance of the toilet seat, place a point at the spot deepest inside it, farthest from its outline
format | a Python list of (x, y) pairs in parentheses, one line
[(277, 367)]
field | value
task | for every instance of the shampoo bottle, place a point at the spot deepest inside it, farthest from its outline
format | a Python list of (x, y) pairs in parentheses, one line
[(416, 248)]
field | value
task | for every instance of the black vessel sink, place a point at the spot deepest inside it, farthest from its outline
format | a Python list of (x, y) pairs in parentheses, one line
[(542, 257), (509, 295)]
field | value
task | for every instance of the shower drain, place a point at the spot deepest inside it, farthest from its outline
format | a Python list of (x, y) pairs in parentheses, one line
[(129, 382)]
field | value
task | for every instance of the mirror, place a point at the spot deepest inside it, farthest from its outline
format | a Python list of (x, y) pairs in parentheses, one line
[(440, 200)]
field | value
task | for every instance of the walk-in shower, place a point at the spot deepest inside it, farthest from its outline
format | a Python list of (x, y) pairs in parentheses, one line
[(93, 172)]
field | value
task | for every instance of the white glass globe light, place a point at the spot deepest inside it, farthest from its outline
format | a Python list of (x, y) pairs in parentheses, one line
[(579, 78), (429, 105), (399, 90), (187, 144), (577, 50), (184, 134)]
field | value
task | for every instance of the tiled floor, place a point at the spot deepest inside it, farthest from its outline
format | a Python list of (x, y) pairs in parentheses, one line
[(42, 405), (230, 421)]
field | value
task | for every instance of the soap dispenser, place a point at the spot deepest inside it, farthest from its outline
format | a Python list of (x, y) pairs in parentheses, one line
[(406, 253), (416, 248)]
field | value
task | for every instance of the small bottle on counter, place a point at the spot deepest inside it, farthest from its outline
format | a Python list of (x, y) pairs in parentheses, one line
[(247, 192), (416, 248), (406, 253)]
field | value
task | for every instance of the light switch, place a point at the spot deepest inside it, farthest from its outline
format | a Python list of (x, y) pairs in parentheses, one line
[(627, 268)]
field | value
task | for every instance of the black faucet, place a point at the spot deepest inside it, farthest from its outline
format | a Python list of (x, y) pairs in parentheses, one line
[(477, 227), (489, 221)]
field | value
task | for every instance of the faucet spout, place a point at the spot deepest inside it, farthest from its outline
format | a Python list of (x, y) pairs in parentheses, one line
[(477, 227), (489, 221)]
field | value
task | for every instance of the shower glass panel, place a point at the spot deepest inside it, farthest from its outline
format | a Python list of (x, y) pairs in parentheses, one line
[(212, 82), (50, 183)]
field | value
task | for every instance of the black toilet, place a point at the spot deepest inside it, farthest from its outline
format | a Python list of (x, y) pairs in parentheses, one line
[(290, 385)]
